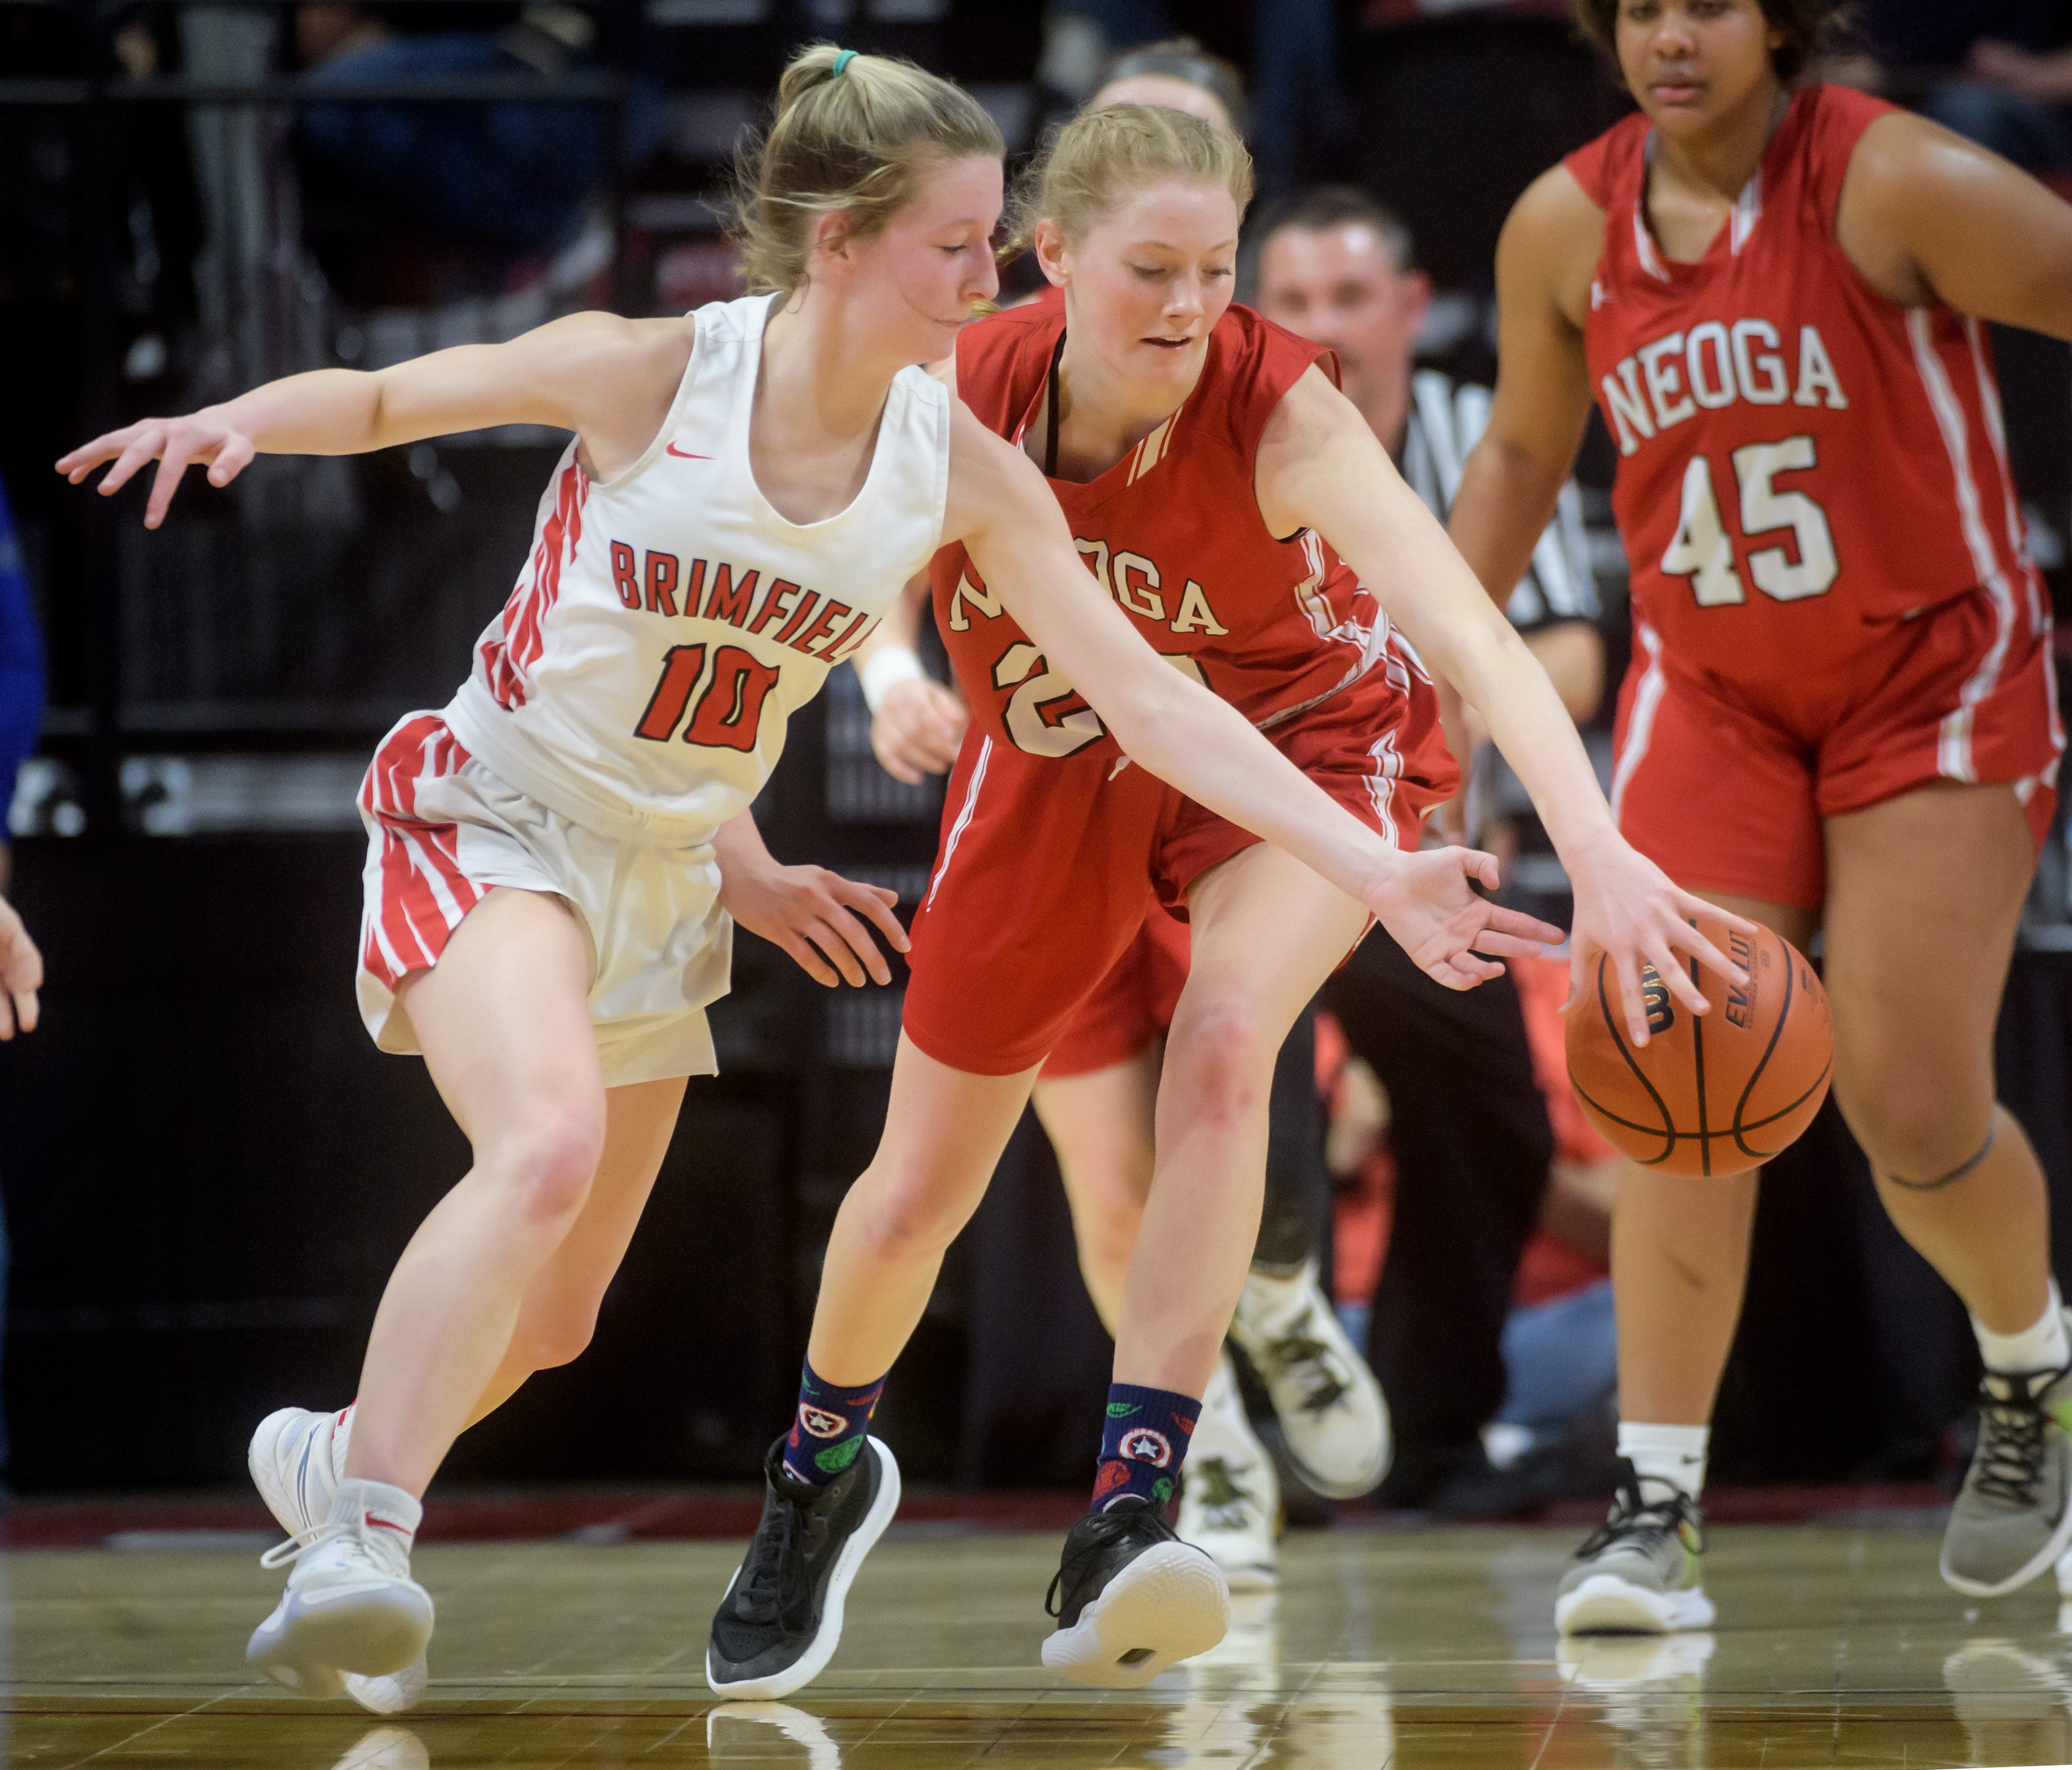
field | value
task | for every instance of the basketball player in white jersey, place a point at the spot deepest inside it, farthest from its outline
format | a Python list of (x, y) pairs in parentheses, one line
[(747, 491)]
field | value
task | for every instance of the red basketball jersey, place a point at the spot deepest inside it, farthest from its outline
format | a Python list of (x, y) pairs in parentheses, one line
[(1174, 533), (1798, 455)]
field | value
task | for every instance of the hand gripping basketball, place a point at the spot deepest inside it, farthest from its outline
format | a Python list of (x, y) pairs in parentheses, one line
[(1629, 912), (1429, 906)]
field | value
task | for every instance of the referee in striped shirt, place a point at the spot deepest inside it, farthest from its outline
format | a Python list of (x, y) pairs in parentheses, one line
[(1469, 1131)]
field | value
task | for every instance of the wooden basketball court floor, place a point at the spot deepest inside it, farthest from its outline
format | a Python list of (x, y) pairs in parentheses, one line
[(1836, 1644)]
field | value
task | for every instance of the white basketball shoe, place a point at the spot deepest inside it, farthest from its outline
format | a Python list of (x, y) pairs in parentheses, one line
[(1332, 1415), (351, 1605), (1230, 1497), (297, 1458)]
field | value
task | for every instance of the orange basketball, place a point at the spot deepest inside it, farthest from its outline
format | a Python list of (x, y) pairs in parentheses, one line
[(1715, 1094)]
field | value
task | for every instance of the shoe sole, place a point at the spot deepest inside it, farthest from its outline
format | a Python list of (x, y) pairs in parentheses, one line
[(1606, 1604), (814, 1661), (2047, 1556), (310, 1649), (1169, 1604), (391, 1693)]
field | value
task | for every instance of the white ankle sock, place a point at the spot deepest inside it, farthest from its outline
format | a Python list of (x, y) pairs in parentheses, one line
[(2041, 1346), (1673, 1454), (388, 1509)]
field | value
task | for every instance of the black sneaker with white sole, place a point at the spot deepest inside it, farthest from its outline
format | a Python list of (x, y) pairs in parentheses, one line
[(1132, 1599), (781, 1620)]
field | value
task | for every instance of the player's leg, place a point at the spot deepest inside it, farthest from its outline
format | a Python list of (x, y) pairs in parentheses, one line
[(1680, 1269), (559, 1312), (829, 1487), (1267, 931), (1333, 1422), (297, 1456), (504, 1022), (1100, 1126), (1925, 891)]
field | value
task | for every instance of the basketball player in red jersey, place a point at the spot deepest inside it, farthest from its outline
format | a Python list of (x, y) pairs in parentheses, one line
[(1841, 714), (1213, 476), (1097, 1096)]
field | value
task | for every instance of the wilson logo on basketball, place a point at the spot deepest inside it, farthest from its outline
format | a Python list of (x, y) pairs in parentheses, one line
[(821, 1423), (1654, 994), (1143, 1445)]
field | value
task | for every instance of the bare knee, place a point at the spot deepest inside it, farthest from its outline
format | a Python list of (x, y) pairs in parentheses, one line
[(901, 1216), (547, 1159), (1220, 1063), (1916, 1126)]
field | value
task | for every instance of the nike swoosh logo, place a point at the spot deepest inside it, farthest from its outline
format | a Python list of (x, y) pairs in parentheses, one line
[(686, 455)]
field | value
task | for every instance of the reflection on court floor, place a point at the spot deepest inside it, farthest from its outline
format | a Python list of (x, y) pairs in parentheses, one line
[(1382, 1648)]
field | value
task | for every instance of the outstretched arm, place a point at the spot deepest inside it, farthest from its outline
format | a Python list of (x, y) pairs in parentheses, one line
[(1172, 726), (1320, 467), (610, 379)]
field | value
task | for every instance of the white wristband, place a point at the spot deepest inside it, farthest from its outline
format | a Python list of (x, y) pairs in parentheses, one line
[(887, 665)]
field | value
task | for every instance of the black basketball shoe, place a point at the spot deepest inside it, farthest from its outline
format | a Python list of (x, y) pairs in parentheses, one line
[(781, 1620), (1131, 1598)]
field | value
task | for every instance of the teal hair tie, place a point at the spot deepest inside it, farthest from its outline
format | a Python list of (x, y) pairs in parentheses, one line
[(841, 63)]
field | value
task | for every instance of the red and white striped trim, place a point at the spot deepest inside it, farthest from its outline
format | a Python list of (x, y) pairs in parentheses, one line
[(424, 894), (1640, 729), (1747, 211), (1152, 449), (1954, 759), (522, 637), (964, 820), (1381, 785)]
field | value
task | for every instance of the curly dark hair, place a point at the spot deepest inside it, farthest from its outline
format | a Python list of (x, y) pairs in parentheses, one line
[(1808, 27)]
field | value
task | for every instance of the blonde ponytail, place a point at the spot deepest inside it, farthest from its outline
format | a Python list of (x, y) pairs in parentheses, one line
[(851, 135)]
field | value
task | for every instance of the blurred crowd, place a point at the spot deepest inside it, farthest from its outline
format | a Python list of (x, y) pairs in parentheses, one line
[(1470, 1212)]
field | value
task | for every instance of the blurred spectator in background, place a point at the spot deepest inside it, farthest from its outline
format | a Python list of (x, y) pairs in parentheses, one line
[(1469, 1132), (21, 672), (509, 182), (21, 713), (1999, 71)]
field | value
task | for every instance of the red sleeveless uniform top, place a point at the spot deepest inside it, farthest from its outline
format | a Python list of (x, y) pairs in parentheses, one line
[(1799, 458), (1172, 531)]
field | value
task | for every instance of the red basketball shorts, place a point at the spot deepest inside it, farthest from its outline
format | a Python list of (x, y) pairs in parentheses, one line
[(1725, 783), (1046, 867), (1132, 1005)]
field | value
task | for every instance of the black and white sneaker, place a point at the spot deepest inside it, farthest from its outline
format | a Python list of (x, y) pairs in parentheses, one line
[(781, 1620), (1132, 1599)]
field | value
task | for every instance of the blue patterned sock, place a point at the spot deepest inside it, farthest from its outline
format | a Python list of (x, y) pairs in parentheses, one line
[(828, 1430), (1144, 1442)]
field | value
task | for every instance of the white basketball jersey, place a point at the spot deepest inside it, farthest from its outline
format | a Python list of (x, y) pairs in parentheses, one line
[(668, 621)]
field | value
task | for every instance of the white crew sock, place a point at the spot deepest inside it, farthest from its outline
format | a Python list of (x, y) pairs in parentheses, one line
[(341, 1439), (1673, 1456), (392, 1510), (2043, 1345)]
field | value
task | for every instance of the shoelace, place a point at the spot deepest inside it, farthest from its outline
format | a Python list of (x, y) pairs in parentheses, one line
[(1323, 1386), (778, 1581), (1633, 1516), (1095, 1535), (1225, 1502), (2013, 1430), (334, 1530)]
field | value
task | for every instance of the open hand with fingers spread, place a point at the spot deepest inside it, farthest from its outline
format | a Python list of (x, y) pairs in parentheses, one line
[(1629, 908), (208, 435), (1428, 903), (916, 730), (810, 912), (20, 975)]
